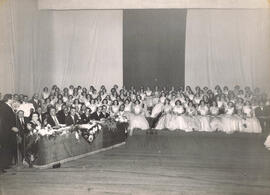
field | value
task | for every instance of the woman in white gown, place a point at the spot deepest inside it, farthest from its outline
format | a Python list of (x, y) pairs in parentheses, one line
[(203, 111), (252, 124), (230, 122), (178, 117), (215, 120), (158, 108), (114, 108), (192, 121), (165, 120), (137, 120), (92, 106)]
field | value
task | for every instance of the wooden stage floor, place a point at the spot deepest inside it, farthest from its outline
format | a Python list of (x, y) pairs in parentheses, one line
[(169, 163)]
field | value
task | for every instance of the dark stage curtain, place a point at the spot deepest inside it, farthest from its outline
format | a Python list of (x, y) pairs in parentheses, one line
[(154, 47)]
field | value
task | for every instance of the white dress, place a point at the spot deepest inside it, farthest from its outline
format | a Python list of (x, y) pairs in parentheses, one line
[(230, 122), (178, 119), (158, 108), (204, 119), (165, 119), (192, 121), (251, 123), (215, 120), (137, 119)]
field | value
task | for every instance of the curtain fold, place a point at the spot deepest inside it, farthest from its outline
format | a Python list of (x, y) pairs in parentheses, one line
[(41, 48), (228, 47)]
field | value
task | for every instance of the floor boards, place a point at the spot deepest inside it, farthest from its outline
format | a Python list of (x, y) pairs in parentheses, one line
[(168, 163)]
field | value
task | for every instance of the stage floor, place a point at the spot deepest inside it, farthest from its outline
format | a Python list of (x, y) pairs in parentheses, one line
[(169, 163)]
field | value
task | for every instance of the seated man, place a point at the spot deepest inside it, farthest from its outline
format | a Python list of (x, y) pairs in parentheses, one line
[(104, 112), (52, 119), (72, 118), (263, 114), (97, 115), (62, 114)]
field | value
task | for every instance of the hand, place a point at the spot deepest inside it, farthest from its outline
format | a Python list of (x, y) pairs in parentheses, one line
[(15, 129)]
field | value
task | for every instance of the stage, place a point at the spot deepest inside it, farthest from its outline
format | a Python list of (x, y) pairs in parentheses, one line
[(167, 163)]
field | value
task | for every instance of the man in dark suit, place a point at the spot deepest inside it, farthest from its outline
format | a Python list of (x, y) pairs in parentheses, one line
[(62, 114), (98, 114), (52, 119), (8, 130), (35, 101), (263, 114), (23, 131), (72, 118), (105, 114)]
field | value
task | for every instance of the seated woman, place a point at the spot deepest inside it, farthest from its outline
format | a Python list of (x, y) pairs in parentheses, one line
[(31, 147), (165, 120), (114, 108), (215, 120), (230, 121), (92, 106), (251, 123), (137, 119), (192, 121), (178, 118), (203, 111)]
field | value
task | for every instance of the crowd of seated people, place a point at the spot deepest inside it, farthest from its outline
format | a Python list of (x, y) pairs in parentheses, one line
[(199, 109)]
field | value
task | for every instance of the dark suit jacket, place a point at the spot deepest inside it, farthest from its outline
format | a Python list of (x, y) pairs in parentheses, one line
[(22, 127), (262, 112), (51, 121), (35, 104), (105, 115), (62, 117), (8, 139), (96, 116), (85, 119), (70, 121)]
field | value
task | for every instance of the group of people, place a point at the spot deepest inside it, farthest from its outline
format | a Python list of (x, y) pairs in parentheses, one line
[(199, 109)]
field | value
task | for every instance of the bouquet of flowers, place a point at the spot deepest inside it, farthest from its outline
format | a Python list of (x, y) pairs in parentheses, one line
[(121, 118), (90, 131)]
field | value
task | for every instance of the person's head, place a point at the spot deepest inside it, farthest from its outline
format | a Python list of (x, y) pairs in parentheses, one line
[(76, 101), (52, 111), (115, 102), (99, 109), (230, 104), (137, 102), (39, 110), (127, 101), (190, 103), (93, 101), (34, 116), (122, 107), (202, 102), (83, 108), (59, 101), (87, 111), (248, 103), (178, 103), (104, 108), (65, 110), (105, 101), (46, 89), (214, 103), (72, 111), (25, 98), (167, 101), (20, 114), (35, 96)]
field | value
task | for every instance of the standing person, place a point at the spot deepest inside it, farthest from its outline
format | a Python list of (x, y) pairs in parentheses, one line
[(8, 130)]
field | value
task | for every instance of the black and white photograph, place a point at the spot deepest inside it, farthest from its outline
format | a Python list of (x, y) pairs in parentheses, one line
[(135, 97)]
